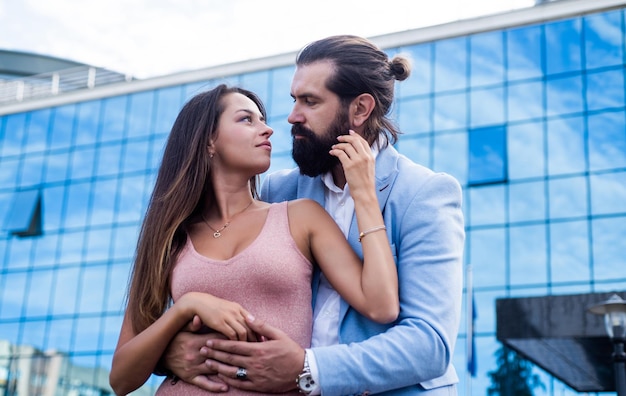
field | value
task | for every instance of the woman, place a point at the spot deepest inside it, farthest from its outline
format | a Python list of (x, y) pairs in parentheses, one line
[(209, 250)]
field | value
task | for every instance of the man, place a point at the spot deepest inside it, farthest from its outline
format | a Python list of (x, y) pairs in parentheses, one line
[(346, 83)]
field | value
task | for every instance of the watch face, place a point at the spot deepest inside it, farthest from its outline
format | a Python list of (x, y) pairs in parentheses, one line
[(305, 382)]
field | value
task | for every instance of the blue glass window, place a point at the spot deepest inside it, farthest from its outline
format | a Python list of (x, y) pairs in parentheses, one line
[(607, 140), (87, 121), (486, 107), (37, 135), (420, 82), (487, 155), (113, 118), (524, 49), (451, 64), (569, 251), (525, 101), (609, 235), (486, 58), (566, 146), (280, 102), (139, 115), (62, 127), (487, 205), (450, 154), (563, 46), (564, 96), (608, 193), (525, 147), (605, 89), (169, 102), (24, 217), (14, 133), (568, 197), (450, 111), (604, 39), (528, 255), (414, 115), (527, 201), (488, 257)]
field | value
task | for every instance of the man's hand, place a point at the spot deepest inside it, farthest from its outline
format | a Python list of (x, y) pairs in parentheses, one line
[(272, 365), (182, 357)]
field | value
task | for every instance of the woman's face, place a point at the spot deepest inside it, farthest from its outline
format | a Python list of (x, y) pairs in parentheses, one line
[(242, 143)]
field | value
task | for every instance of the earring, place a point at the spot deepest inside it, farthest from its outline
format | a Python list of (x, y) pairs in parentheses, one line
[(210, 155)]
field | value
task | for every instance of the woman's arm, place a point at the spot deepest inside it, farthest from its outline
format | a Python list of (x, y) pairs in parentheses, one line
[(136, 355)]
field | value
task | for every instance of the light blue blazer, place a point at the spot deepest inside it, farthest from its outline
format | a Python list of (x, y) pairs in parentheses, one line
[(412, 356)]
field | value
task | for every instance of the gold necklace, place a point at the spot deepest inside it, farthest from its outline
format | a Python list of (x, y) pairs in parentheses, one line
[(218, 233)]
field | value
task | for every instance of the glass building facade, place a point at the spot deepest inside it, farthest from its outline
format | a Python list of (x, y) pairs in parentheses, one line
[(526, 109)]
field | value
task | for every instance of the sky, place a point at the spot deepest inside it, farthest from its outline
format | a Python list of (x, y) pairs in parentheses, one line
[(149, 38)]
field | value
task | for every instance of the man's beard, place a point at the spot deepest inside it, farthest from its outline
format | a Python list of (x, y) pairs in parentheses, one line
[(310, 151)]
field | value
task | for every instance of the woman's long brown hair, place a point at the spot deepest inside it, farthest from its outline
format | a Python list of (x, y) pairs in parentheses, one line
[(182, 190)]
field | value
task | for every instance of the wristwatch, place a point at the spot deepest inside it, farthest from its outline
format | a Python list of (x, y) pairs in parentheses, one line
[(305, 382)]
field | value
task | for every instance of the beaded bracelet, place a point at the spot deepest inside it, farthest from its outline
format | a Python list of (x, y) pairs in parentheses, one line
[(369, 231)]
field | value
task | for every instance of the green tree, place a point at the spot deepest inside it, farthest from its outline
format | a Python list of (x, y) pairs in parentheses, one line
[(514, 376)]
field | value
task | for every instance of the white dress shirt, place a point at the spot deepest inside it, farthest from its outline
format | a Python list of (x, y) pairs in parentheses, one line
[(340, 205)]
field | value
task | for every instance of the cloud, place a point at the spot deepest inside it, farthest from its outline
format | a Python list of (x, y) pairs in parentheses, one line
[(147, 38)]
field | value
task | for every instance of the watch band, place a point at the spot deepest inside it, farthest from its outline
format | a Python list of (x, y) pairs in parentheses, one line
[(305, 382)]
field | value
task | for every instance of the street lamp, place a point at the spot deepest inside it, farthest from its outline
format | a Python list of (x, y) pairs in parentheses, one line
[(614, 311)]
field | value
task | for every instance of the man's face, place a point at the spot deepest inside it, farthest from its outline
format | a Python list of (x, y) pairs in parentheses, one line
[(310, 149), (317, 118)]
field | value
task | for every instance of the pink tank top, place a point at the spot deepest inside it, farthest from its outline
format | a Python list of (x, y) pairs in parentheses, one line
[(270, 278)]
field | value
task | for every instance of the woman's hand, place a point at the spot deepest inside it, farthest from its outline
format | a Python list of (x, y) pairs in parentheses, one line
[(222, 316)]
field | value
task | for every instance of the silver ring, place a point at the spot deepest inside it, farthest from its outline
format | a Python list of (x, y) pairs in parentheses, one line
[(242, 373)]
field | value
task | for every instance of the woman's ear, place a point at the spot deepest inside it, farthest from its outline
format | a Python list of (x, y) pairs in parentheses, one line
[(210, 150), (361, 108)]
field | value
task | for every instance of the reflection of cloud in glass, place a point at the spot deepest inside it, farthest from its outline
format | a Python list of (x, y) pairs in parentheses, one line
[(527, 202), (569, 251), (450, 111), (65, 289), (608, 193), (567, 197), (566, 146), (92, 285), (603, 39), (488, 257), (487, 107), (528, 255), (486, 58), (525, 101), (39, 288), (12, 294), (609, 255), (607, 140), (487, 205)]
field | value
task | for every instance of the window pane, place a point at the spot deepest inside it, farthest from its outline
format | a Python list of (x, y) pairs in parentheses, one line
[(487, 205), (37, 136), (92, 286), (609, 256), (528, 255), (566, 146), (450, 64), (569, 252), (23, 208), (486, 58), (608, 193), (604, 39), (62, 128), (135, 156), (524, 49), (113, 118), (14, 134), (525, 101), (281, 102), (77, 202), (487, 107), (88, 117), (487, 155), (169, 101), (568, 197), (82, 163), (450, 111), (563, 45), (418, 83), (607, 140), (488, 257), (527, 202), (564, 96), (39, 289), (414, 115), (450, 154), (605, 89), (140, 114)]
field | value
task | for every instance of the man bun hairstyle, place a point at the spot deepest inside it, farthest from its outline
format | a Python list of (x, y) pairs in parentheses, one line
[(361, 67)]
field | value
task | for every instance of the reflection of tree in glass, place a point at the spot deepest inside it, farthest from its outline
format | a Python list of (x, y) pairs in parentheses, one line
[(514, 376)]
